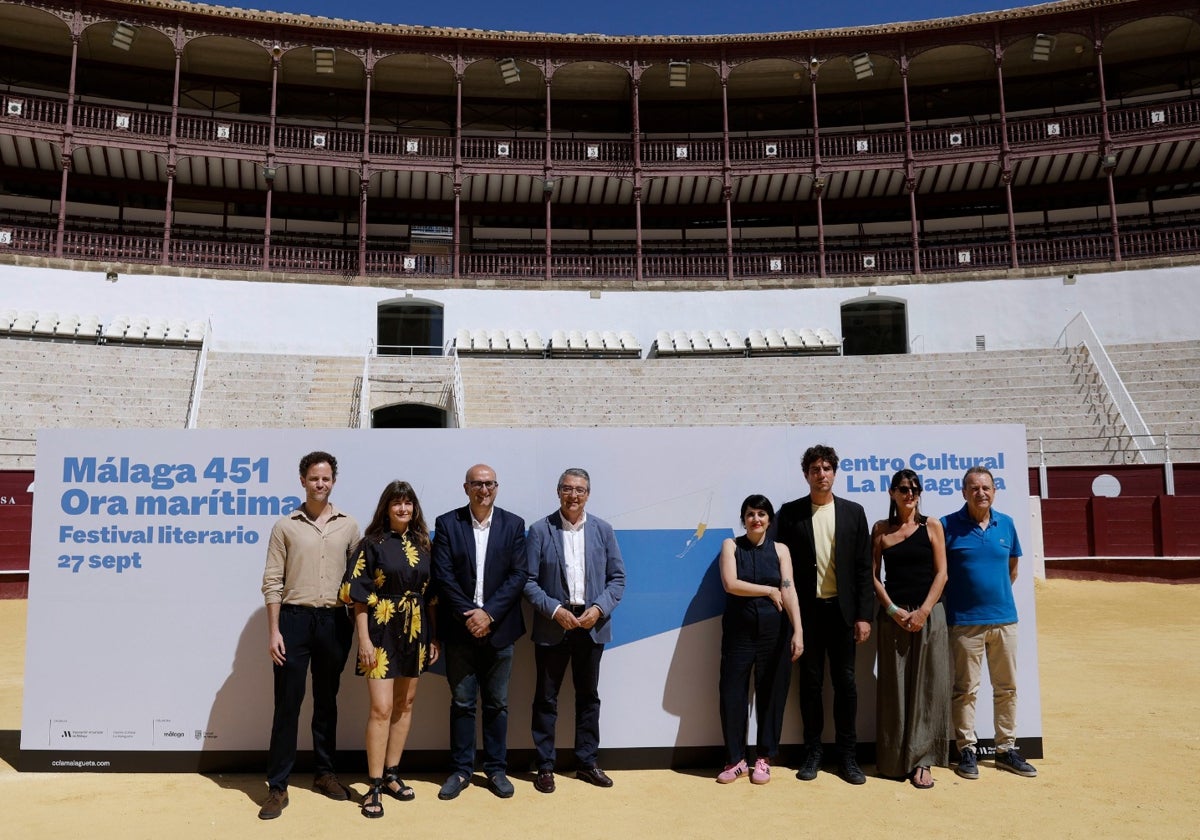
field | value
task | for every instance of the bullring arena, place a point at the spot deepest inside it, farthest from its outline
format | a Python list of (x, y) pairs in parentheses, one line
[(220, 219)]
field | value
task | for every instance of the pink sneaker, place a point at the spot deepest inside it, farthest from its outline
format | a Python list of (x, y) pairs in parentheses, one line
[(762, 771), (732, 773)]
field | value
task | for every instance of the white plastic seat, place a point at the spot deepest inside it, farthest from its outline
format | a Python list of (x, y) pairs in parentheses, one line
[(774, 339), (792, 339), (593, 340), (67, 325), (663, 339), (699, 341), (629, 341), (88, 326), (7, 316), (576, 341), (196, 330), (810, 337), (497, 340), (176, 331), (558, 340), (757, 340), (734, 339), (117, 327), (156, 329), (716, 340), (611, 340), (516, 340), (137, 328), (462, 338), (534, 341), (827, 338), (45, 324), (479, 340)]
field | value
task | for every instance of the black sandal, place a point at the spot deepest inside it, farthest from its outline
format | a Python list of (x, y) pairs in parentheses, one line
[(402, 791), (372, 802)]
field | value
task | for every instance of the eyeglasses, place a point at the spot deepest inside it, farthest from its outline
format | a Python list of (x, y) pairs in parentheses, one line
[(483, 485), (573, 491), (907, 489)]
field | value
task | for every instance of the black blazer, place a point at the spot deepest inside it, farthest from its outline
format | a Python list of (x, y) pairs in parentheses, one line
[(852, 547), (504, 574)]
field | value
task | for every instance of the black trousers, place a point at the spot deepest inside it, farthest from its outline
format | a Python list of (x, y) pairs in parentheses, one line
[(827, 636), (766, 650), (583, 655), (319, 637)]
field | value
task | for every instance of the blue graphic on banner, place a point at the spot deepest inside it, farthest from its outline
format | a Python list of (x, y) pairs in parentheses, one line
[(671, 580)]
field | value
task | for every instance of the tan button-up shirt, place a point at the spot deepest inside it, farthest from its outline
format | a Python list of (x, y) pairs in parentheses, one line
[(305, 562)]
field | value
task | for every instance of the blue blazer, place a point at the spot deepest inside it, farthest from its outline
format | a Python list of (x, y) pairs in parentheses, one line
[(546, 588), (453, 565)]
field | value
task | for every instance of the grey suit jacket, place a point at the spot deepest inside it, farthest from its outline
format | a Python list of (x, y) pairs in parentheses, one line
[(546, 587)]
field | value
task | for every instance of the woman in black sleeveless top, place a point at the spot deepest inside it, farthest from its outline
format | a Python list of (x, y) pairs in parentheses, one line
[(912, 705), (760, 630)]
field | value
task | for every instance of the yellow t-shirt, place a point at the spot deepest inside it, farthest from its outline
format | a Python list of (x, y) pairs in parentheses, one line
[(823, 540)]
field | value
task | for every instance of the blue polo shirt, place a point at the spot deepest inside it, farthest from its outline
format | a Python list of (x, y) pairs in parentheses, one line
[(979, 590)]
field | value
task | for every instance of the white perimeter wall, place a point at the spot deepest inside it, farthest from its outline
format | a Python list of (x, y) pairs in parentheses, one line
[(1130, 306)]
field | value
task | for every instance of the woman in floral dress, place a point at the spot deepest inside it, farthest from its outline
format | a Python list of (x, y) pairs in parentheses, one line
[(386, 583)]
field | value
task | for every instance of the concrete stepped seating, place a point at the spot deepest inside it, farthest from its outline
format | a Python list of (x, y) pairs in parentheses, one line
[(1038, 388), (248, 390), (1164, 381), (46, 384)]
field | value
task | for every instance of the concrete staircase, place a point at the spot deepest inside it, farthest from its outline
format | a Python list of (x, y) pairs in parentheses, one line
[(51, 384), (257, 391)]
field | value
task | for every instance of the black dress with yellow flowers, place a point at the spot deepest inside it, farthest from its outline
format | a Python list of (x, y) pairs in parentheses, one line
[(391, 577)]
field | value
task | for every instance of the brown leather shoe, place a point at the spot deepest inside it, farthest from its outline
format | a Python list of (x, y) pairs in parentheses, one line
[(328, 784), (273, 805), (595, 776), (544, 782)]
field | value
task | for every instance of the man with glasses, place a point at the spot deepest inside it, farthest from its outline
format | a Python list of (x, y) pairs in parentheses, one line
[(576, 579), (982, 551), (478, 560), (831, 556)]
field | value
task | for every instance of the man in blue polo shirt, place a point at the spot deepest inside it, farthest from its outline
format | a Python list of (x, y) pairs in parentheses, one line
[(981, 557)]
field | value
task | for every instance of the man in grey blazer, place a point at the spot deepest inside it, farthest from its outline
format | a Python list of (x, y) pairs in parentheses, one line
[(576, 579)]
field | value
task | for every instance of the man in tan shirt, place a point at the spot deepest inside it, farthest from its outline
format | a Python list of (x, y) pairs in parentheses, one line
[(306, 558)]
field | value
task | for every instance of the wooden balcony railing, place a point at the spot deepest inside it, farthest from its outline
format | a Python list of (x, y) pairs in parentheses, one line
[(801, 260), (838, 146)]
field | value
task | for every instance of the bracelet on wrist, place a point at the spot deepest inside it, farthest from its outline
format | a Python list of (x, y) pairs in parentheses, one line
[(892, 609)]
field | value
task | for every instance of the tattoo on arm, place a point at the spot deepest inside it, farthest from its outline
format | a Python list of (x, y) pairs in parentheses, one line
[(786, 584)]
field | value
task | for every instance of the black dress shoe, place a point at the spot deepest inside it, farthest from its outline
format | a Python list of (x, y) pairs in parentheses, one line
[(810, 766), (850, 772), (499, 784), (454, 785), (544, 782), (595, 776)]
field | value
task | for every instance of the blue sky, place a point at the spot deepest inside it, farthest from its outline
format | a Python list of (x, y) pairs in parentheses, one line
[(633, 17)]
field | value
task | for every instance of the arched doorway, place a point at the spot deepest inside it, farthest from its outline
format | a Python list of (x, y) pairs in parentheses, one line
[(874, 327), (409, 416), (409, 328)]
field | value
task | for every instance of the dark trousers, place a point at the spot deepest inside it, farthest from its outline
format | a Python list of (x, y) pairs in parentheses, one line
[(478, 671), (767, 653), (320, 637), (583, 655), (827, 636)]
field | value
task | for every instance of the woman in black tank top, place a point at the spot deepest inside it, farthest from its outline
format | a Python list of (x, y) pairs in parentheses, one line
[(912, 704)]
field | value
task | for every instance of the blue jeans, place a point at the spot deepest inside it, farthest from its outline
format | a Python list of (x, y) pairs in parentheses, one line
[(478, 670)]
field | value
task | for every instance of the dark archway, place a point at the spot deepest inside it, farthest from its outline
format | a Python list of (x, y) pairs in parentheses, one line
[(874, 327), (409, 329), (409, 416)]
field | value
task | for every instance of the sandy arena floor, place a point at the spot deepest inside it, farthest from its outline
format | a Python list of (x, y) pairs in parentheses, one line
[(1121, 699)]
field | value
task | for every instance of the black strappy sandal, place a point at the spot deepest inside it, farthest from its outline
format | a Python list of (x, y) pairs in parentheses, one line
[(402, 792), (372, 802)]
